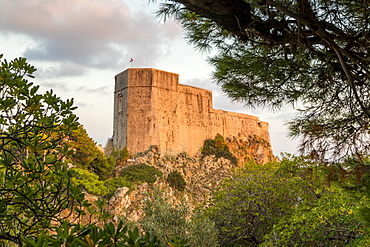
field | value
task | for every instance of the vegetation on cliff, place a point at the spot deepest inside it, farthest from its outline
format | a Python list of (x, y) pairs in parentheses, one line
[(87, 156), (176, 180), (141, 173), (218, 148)]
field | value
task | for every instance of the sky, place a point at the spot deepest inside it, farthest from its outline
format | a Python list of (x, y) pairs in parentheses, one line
[(78, 46)]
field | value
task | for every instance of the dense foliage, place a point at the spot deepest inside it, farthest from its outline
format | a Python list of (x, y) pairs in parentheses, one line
[(120, 156), (176, 180), (93, 168), (141, 173), (35, 182), (87, 156), (307, 53), (92, 235), (176, 223), (218, 148), (89, 182), (285, 204), (326, 221)]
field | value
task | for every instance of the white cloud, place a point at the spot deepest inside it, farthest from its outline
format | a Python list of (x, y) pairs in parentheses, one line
[(94, 33)]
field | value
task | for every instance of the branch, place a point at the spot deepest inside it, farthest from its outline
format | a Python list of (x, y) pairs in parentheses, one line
[(7, 236), (321, 32)]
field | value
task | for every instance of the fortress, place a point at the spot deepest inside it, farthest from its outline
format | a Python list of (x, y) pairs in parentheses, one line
[(152, 108)]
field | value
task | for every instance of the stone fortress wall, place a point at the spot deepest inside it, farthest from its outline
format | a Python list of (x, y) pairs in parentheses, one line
[(152, 108)]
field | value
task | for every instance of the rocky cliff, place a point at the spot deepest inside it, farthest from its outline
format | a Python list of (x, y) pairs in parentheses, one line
[(201, 174), (251, 148)]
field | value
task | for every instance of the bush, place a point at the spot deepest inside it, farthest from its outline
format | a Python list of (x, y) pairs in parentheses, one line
[(120, 155), (113, 184), (176, 180), (89, 181), (219, 148), (141, 173), (275, 205), (87, 156), (176, 224)]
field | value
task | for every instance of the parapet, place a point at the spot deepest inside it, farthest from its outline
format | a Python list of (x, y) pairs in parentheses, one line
[(146, 78)]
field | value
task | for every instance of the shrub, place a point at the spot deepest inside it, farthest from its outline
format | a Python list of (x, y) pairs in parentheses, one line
[(35, 183), (177, 224), (89, 181), (141, 173), (176, 180), (219, 148), (113, 184), (120, 155)]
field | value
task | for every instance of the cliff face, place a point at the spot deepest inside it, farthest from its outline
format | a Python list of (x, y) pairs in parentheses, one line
[(202, 174), (251, 148)]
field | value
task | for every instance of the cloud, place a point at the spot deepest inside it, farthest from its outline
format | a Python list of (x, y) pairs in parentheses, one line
[(56, 86), (100, 90), (286, 114), (81, 90), (94, 33), (66, 69), (81, 104)]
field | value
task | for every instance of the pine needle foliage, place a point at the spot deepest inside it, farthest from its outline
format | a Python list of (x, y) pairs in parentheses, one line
[(308, 54)]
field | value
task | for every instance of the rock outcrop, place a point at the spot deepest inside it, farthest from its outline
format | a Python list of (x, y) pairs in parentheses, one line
[(202, 174), (251, 148)]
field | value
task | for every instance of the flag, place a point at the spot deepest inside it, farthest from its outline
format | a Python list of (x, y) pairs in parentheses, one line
[(131, 60)]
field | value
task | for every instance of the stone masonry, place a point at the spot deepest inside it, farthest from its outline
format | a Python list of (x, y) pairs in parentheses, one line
[(152, 108)]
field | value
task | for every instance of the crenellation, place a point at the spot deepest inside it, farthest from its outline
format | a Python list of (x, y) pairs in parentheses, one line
[(152, 108)]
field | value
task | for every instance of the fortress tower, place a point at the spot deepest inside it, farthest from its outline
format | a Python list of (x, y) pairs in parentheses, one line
[(152, 108)]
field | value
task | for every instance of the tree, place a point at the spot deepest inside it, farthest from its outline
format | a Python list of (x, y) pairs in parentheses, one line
[(89, 181), (247, 205), (35, 182), (327, 221), (312, 53), (87, 156), (283, 204)]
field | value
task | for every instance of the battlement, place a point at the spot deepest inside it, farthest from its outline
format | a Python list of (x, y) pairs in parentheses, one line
[(146, 78), (152, 108)]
